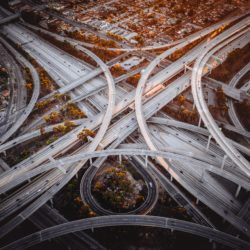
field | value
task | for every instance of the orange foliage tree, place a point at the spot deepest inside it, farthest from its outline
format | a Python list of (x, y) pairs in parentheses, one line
[(72, 111), (53, 117)]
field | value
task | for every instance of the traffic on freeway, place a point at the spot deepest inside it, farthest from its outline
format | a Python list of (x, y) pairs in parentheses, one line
[(119, 114)]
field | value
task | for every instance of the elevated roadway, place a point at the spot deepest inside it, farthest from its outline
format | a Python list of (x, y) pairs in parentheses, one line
[(111, 135), (170, 153), (129, 118), (129, 220), (35, 93), (230, 91), (142, 121), (146, 206), (233, 83), (200, 103), (9, 18), (104, 126)]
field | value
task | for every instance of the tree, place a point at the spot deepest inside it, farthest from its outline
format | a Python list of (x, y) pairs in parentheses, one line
[(72, 111), (53, 117), (117, 70), (181, 99), (133, 80), (29, 86), (140, 40), (83, 135)]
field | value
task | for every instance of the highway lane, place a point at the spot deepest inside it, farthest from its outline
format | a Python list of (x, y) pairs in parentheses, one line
[(200, 103), (230, 91), (128, 220), (34, 97), (145, 131), (39, 58), (102, 130), (47, 217), (9, 18), (200, 174), (161, 98), (226, 172), (233, 83), (36, 133), (101, 106), (15, 179), (8, 62), (18, 93), (97, 101), (246, 86), (195, 129), (39, 121), (232, 128), (176, 194), (147, 205), (66, 67)]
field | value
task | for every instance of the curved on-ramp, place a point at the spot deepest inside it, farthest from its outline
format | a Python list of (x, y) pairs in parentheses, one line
[(170, 154), (225, 38), (232, 111), (34, 97), (64, 179), (128, 220), (144, 208)]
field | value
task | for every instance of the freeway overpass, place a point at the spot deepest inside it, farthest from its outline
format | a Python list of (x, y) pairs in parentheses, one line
[(200, 103), (9, 18), (128, 220)]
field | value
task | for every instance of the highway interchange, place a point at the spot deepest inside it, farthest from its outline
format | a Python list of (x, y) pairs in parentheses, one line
[(117, 112)]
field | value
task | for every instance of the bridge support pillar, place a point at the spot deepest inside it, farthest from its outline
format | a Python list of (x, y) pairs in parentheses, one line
[(197, 201), (210, 67), (223, 161), (208, 142), (51, 203), (218, 60), (214, 246), (171, 178), (237, 191), (193, 108), (90, 161), (199, 124), (76, 175), (187, 68), (120, 159)]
